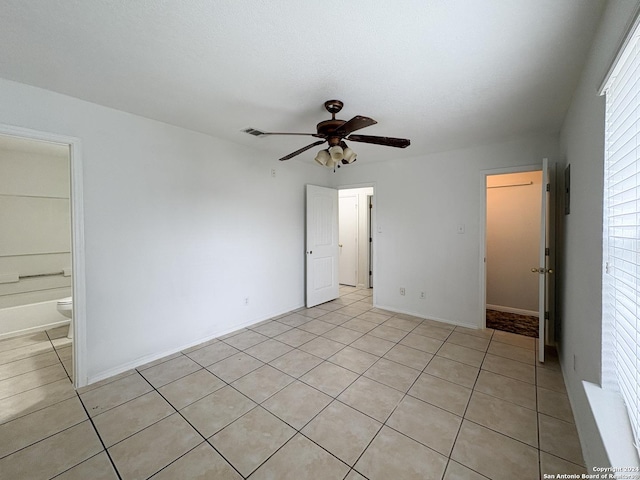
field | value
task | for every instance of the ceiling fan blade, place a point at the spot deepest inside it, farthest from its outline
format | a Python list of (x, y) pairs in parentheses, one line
[(303, 149), (356, 123), (388, 141)]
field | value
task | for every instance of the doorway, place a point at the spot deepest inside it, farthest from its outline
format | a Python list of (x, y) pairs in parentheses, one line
[(512, 240), (73, 269), (355, 238)]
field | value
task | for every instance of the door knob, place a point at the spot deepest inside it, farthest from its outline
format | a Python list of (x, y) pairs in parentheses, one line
[(534, 270), (340, 245)]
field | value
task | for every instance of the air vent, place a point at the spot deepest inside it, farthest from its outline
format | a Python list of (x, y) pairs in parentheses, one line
[(254, 132)]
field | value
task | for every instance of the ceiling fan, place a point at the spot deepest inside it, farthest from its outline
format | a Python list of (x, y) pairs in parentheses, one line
[(335, 132)]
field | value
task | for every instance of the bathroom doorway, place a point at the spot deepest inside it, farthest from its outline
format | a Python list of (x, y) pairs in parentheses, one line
[(355, 237), (41, 254)]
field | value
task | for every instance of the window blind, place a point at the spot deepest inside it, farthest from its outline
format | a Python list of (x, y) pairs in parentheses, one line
[(621, 245)]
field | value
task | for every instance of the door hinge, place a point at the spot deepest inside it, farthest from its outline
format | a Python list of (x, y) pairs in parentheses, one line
[(370, 272), (606, 268), (370, 239), (548, 187), (546, 315), (546, 251)]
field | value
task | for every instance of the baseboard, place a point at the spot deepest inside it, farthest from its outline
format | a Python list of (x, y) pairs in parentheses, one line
[(517, 311), (430, 317)]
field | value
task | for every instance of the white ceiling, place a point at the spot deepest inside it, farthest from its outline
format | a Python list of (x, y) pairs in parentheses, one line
[(444, 73)]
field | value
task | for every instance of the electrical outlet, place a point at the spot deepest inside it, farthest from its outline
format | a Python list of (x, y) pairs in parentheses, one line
[(246, 301), (423, 295), (402, 291), (273, 172)]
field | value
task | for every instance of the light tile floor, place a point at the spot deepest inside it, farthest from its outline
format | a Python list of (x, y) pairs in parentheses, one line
[(339, 391)]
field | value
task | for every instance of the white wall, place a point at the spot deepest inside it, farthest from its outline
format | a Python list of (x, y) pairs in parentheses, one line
[(580, 275), (180, 227), (419, 204), (35, 237), (513, 239)]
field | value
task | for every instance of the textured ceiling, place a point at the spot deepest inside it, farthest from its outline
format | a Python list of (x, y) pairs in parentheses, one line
[(444, 73)]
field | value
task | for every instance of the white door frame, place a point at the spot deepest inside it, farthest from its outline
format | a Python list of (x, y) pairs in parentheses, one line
[(482, 314), (374, 260), (77, 241)]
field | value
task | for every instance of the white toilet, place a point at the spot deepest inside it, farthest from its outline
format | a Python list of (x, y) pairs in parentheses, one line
[(65, 307)]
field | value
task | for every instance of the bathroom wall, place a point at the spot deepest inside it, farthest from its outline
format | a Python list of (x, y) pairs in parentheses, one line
[(35, 234), (513, 240)]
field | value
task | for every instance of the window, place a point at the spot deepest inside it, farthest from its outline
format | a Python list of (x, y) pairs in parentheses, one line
[(621, 276)]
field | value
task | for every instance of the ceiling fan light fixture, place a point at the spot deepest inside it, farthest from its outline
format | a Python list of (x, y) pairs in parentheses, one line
[(349, 155), (331, 163), (337, 153), (323, 157)]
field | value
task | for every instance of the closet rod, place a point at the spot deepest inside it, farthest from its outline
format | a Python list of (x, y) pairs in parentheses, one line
[(512, 185)]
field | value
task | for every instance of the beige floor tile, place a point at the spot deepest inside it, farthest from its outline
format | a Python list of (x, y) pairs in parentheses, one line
[(234, 367), (441, 393), (359, 325), (469, 341), (53, 455), (494, 455), (30, 380), (550, 379), (9, 370), (388, 333), (427, 424), (412, 318), (296, 363), (335, 318), (504, 417), (329, 306), (32, 428), (169, 371), (353, 310), (203, 462), (251, 439), (409, 357), (245, 340), (208, 343), (322, 347), (63, 342), (521, 341), (299, 459), (212, 353), (353, 475), (124, 420), (371, 398), (106, 381), (552, 465), (150, 450), (435, 323), (262, 383), (560, 438), (187, 390), (207, 416), (115, 393), (11, 355), (551, 359), (507, 388), (317, 327), (402, 323), (555, 404), (514, 353), (353, 359), (393, 455), (23, 341), (392, 374), (342, 335), (232, 334), (272, 328), (455, 471), (98, 467), (294, 320), (478, 332), (433, 332), (343, 431), (36, 399), (158, 361), (373, 317), (268, 350), (452, 371), (313, 312), (372, 344), (329, 378), (297, 404), (461, 354), (510, 368), (295, 337)]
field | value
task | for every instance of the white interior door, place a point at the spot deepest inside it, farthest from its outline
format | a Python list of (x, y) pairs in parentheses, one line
[(322, 245), (348, 240), (545, 267)]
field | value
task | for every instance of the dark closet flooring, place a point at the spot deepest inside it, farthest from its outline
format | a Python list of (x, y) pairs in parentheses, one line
[(512, 322)]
